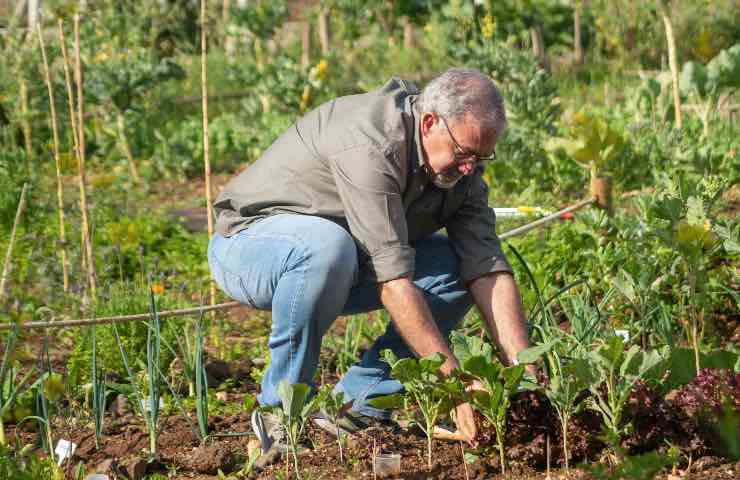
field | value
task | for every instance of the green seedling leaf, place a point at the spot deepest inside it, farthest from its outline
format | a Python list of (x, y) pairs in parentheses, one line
[(387, 402), (482, 368), (464, 347), (293, 397), (531, 354)]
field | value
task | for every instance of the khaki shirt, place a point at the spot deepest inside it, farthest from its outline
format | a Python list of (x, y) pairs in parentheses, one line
[(357, 161)]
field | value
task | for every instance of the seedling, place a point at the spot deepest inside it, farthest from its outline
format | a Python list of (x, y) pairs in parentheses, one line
[(98, 389), (567, 382), (426, 387), (335, 408), (296, 407), (618, 371), (499, 383), (11, 387)]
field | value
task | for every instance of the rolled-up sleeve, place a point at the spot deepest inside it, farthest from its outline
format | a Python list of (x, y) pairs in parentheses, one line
[(472, 232), (369, 184)]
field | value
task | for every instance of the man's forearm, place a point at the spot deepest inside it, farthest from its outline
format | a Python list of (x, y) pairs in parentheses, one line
[(500, 304), (413, 320)]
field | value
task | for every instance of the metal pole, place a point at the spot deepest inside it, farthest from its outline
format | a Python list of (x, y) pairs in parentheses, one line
[(547, 219)]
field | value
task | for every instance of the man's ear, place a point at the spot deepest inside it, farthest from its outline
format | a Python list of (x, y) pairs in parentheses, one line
[(428, 120)]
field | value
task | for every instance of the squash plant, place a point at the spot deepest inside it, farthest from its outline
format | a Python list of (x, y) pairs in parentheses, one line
[(426, 387)]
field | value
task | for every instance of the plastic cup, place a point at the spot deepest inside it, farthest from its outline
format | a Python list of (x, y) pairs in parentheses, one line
[(97, 476), (386, 464)]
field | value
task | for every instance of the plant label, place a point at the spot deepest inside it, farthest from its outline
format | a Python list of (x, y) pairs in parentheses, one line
[(625, 334), (65, 449), (145, 404)]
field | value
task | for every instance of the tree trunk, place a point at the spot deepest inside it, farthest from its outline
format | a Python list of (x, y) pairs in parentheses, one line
[(672, 61), (325, 32), (578, 56), (538, 47), (306, 44)]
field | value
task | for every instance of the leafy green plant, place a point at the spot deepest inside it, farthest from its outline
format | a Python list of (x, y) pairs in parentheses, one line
[(612, 372), (296, 407), (425, 387), (714, 83), (335, 407), (98, 390), (499, 384), (568, 379), (12, 386)]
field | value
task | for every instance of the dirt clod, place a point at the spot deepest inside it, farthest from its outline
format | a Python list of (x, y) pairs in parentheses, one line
[(212, 458), (135, 468)]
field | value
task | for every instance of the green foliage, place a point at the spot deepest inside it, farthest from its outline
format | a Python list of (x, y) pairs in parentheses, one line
[(499, 382), (611, 374), (16, 465), (297, 405), (426, 387), (638, 467)]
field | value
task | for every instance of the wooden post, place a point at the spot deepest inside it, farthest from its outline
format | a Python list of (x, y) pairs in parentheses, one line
[(25, 121), (672, 60), (11, 243), (538, 47), (306, 44), (89, 256), (408, 34), (601, 189), (324, 31), (578, 55), (206, 150), (57, 163)]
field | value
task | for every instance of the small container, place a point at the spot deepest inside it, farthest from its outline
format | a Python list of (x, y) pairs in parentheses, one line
[(97, 476), (387, 464)]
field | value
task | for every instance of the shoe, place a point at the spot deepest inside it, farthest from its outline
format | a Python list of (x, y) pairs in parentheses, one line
[(348, 424), (268, 429)]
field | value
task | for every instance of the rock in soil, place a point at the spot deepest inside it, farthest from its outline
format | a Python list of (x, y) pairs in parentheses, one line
[(119, 406), (217, 371), (212, 458), (106, 467)]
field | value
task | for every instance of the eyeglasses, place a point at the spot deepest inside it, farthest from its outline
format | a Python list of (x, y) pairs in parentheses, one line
[(461, 154)]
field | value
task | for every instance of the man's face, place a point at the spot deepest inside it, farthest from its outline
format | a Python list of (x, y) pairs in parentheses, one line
[(453, 148)]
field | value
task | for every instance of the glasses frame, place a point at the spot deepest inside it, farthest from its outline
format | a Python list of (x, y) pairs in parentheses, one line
[(461, 154)]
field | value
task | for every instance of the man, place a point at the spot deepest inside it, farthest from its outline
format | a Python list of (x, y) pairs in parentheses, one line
[(339, 216)]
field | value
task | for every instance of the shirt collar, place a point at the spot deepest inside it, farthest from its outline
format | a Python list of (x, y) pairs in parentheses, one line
[(417, 154)]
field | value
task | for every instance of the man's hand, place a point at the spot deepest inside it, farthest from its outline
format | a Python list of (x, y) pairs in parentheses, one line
[(465, 421)]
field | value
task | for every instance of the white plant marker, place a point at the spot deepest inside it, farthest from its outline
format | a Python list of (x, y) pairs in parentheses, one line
[(625, 334), (145, 404), (65, 449)]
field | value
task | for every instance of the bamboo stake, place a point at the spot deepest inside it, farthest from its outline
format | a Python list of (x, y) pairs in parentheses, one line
[(672, 60), (57, 163), (206, 150), (11, 243), (26, 125), (90, 259), (123, 142), (70, 95)]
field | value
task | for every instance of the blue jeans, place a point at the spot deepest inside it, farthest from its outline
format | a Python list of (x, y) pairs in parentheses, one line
[(305, 269)]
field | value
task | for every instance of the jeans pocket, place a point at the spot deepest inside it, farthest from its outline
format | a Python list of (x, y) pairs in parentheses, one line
[(230, 283)]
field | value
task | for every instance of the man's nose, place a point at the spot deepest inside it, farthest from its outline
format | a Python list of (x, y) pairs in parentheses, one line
[(466, 168)]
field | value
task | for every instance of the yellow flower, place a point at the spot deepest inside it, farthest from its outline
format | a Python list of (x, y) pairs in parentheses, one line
[(488, 27), (158, 288), (428, 28), (321, 69)]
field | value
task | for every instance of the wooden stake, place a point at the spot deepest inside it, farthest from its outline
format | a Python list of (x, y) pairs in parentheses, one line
[(26, 123), (123, 142), (306, 44), (578, 56), (672, 61), (206, 150), (11, 243), (70, 95), (324, 31), (89, 257), (57, 163)]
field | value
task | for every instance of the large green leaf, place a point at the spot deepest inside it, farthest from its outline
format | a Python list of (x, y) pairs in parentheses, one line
[(464, 347), (694, 78), (406, 370), (482, 368), (387, 402), (531, 354), (293, 397), (724, 69)]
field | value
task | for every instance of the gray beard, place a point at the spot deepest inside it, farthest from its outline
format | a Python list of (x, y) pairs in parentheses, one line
[(446, 180)]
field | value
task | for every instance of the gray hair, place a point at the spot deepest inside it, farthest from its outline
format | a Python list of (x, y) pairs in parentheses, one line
[(462, 91)]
